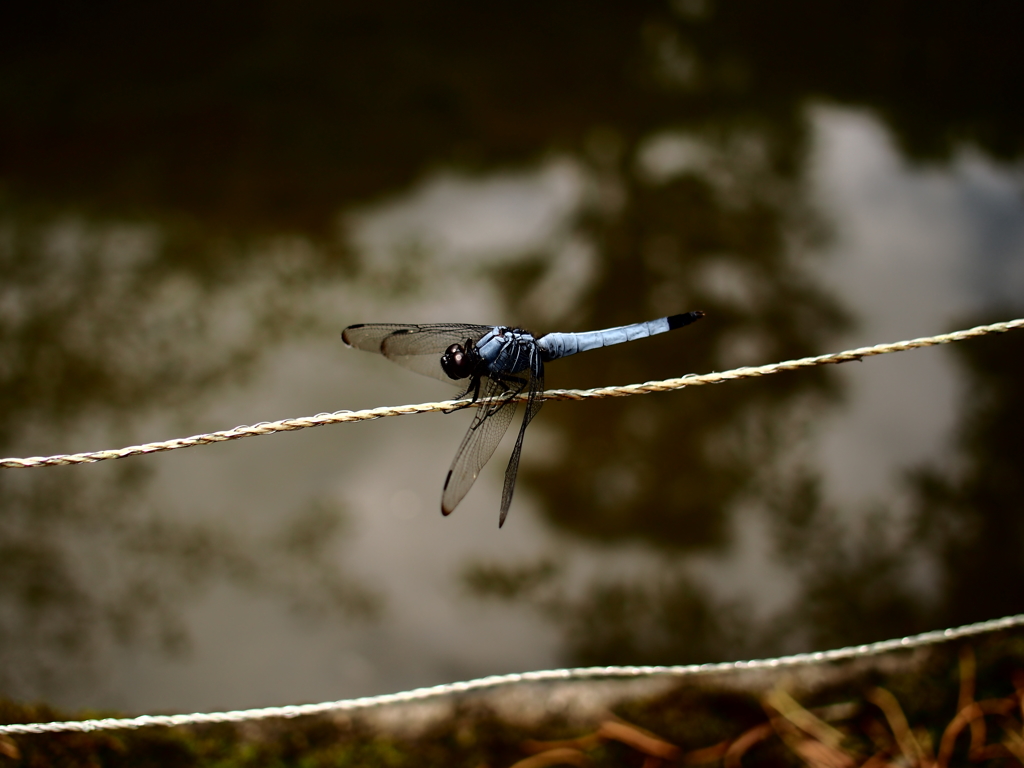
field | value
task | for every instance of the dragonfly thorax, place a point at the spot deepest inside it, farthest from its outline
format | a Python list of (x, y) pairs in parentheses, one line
[(458, 362)]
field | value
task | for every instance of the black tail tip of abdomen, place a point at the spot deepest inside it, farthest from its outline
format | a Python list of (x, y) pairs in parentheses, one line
[(678, 321)]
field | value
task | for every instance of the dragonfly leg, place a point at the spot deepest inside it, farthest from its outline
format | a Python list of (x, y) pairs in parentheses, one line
[(474, 387), (510, 384), (513, 384)]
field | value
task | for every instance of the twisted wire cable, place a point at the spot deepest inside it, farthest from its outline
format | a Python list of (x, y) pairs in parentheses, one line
[(495, 681), (666, 385)]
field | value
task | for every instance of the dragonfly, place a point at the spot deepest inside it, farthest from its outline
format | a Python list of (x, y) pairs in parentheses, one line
[(497, 364)]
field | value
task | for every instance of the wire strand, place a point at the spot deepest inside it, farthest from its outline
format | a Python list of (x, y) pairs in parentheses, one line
[(495, 681), (667, 385)]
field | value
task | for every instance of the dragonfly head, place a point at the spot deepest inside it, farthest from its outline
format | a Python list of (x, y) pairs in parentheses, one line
[(458, 362)]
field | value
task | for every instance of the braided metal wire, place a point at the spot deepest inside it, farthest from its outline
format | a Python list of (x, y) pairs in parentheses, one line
[(421, 694), (495, 681), (667, 385)]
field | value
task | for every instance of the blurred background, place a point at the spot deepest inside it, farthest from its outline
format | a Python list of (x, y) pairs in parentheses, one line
[(195, 198)]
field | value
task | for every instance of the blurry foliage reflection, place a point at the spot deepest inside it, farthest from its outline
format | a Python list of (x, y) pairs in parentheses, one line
[(855, 586), (94, 314), (96, 330), (971, 510), (185, 138), (659, 620), (666, 469), (965, 532), (85, 563), (276, 117)]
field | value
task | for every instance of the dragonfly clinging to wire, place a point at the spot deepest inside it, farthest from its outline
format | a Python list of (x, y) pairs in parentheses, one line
[(496, 361)]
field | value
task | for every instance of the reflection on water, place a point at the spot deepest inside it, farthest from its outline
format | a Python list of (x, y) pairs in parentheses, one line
[(664, 469), (177, 231), (969, 508), (99, 333), (964, 525)]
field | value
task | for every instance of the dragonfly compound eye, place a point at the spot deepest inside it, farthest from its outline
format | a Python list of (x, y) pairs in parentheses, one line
[(456, 363)]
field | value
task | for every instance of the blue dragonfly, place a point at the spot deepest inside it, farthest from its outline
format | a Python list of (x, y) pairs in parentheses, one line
[(497, 361)]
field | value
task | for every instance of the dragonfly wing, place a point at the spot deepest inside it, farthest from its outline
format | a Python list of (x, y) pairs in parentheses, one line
[(490, 422), (416, 347), (533, 404)]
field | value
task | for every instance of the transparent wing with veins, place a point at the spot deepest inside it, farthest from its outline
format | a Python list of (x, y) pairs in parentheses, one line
[(416, 347), (490, 422), (533, 404), (489, 425)]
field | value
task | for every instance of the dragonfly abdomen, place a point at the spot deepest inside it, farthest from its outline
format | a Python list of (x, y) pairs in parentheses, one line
[(556, 345)]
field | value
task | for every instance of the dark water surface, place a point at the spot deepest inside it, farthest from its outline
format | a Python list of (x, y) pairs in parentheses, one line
[(194, 201)]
